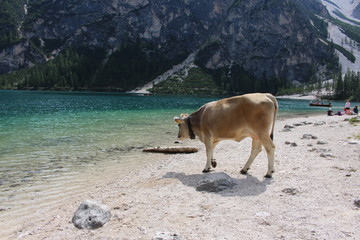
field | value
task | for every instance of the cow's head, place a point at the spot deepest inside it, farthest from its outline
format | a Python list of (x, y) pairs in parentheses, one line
[(185, 131)]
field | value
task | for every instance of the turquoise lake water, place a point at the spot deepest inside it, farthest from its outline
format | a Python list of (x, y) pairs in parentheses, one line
[(51, 142)]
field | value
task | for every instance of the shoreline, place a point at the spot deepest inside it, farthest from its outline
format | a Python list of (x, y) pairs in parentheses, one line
[(310, 195)]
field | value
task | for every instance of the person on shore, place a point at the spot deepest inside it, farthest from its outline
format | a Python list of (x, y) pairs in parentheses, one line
[(356, 110), (330, 112), (347, 104), (338, 113), (347, 107)]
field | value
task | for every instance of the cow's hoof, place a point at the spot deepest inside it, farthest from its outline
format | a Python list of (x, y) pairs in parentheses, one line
[(268, 176), (244, 171), (206, 170), (213, 164)]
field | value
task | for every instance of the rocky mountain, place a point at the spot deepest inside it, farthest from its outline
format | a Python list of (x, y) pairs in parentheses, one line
[(343, 22), (122, 44), (347, 10)]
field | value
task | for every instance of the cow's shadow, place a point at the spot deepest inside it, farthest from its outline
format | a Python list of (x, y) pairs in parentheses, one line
[(248, 186)]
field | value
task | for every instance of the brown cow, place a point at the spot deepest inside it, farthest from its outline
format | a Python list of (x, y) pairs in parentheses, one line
[(250, 115)]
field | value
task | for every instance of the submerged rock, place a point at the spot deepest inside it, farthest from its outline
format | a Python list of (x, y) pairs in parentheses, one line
[(91, 215)]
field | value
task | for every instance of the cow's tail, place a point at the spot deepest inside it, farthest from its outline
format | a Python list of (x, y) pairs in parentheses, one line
[(276, 107)]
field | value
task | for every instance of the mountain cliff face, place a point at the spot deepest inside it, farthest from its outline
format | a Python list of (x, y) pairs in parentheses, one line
[(269, 40), (356, 12)]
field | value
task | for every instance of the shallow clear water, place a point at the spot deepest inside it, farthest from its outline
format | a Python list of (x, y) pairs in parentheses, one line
[(45, 134), (56, 142)]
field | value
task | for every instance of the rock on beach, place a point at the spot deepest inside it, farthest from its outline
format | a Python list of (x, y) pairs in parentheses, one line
[(167, 236), (216, 182), (91, 215)]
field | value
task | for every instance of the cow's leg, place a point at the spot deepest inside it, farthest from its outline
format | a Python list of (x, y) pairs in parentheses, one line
[(255, 150), (209, 145), (270, 150), (213, 161)]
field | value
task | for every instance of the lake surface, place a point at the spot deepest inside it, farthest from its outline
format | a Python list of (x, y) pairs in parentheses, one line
[(57, 142)]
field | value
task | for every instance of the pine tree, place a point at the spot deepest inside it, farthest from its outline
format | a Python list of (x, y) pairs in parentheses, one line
[(346, 84), (339, 88)]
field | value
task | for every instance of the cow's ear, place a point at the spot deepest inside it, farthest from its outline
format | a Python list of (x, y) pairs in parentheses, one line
[(179, 120)]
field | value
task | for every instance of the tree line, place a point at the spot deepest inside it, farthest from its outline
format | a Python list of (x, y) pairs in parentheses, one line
[(347, 86), (68, 71)]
